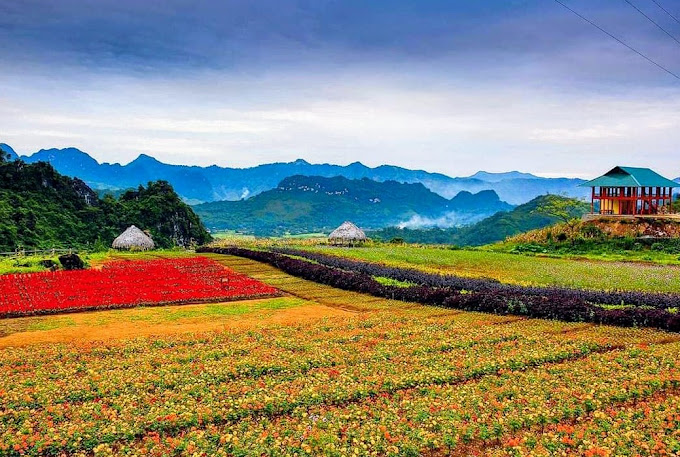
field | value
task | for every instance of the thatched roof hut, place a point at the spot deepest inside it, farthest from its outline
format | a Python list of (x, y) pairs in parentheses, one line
[(133, 238), (347, 233)]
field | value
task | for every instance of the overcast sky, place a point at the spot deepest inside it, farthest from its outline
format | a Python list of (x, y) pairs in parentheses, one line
[(443, 85)]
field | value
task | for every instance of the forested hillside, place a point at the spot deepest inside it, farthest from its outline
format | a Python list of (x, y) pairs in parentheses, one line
[(40, 208), (539, 212), (304, 204)]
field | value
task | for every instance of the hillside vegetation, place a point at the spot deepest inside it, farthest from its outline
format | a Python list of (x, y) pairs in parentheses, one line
[(40, 208), (636, 238), (306, 204), (539, 212)]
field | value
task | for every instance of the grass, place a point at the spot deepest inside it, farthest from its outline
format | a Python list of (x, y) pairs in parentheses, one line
[(230, 235), (520, 269), (641, 256), (327, 372), (49, 324), (392, 282), (23, 264), (232, 309), (30, 263)]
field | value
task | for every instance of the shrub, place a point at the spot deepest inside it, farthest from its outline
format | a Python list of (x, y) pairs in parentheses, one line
[(591, 231)]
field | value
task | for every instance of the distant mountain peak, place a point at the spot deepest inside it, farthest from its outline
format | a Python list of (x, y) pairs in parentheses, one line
[(63, 158), (8, 149), (497, 177), (70, 150), (145, 159), (301, 162), (488, 198)]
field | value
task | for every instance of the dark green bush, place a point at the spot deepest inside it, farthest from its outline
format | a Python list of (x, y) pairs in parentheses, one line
[(657, 247), (592, 231)]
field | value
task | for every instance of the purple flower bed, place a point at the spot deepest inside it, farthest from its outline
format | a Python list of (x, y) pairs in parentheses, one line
[(495, 298), (644, 299)]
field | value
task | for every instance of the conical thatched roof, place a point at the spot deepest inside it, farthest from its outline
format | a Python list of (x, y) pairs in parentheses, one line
[(347, 232), (133, 238)]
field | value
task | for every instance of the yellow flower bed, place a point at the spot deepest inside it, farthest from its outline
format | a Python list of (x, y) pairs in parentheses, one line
[(375, 384)]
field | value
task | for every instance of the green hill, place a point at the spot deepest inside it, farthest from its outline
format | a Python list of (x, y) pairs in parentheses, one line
[(40, 208), (540, 212), (304, 204)]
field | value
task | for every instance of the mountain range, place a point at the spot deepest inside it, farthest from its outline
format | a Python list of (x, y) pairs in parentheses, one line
[(206, 184), (305, 204)]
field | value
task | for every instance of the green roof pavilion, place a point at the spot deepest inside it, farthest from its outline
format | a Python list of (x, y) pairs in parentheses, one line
[(631, 191)]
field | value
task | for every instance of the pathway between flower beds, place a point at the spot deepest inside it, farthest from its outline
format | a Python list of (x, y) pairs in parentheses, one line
[(308, 290)]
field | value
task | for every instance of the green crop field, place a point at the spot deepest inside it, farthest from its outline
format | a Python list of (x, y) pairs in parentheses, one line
[(520, 269)]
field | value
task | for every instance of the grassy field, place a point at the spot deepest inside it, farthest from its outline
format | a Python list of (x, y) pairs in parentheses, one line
[(322, 371), (642, 256), (520, 269), (30, 263)]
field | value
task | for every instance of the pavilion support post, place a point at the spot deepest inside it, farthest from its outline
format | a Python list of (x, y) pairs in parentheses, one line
[(670, 200)]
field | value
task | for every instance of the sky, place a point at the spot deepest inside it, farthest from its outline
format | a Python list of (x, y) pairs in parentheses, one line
[(448, 86)]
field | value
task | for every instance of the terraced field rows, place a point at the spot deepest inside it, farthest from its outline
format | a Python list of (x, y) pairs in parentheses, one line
[(389, 379)]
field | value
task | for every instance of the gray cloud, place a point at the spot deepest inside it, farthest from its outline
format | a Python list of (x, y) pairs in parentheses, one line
[(446, 86)]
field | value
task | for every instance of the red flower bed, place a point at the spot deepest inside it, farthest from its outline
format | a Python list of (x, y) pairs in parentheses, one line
[(125, 284)]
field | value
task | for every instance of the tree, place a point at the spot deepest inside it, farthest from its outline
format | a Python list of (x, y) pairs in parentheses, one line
[(562, 208)]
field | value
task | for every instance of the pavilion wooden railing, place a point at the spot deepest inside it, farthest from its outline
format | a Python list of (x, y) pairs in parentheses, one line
[(649, 199)]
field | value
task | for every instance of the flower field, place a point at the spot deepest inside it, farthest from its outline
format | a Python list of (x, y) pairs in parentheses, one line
[(124, 284), (392, 380), (627, 309), (382, 384)]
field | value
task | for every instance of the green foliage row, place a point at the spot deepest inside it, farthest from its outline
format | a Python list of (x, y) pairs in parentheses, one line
[(42, 209)]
